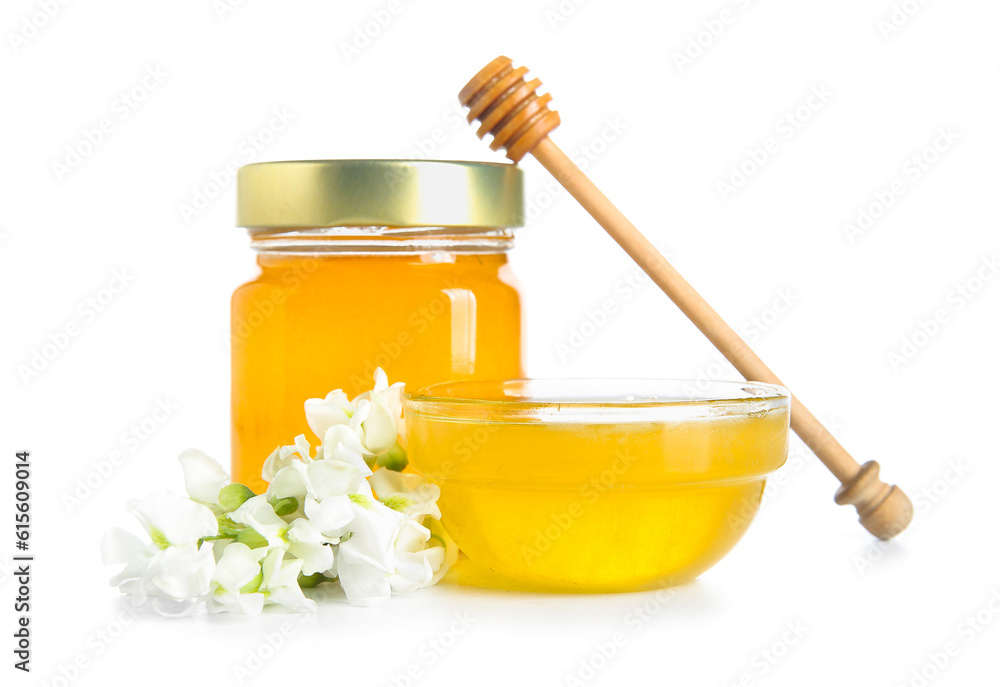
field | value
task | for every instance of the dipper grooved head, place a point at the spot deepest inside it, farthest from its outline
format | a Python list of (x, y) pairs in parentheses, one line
[(508, 107)]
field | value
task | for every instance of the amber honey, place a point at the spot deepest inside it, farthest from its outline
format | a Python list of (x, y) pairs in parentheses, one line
[(328, 322), (363, 264)]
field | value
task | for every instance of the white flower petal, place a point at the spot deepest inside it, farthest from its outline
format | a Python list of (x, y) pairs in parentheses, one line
[(335, 477), (243, 604), (308, 545), (183, 572), (393, 398), (374, 529), (386, 407), (381, 380), (410, 493), (280, 583), (284, 456), (292, 598), (338, 435), (321, 414), (332, 515), (174, 520), (341, 444), (120, 546), (257, 513), (440, 539), (357, 420), (289, 481), (203, 476), (273, 464), (362, 579), (237, 567), (412, 567), (380, 427)]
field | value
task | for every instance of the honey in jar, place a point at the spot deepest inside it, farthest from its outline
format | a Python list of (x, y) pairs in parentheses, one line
[(362, 264)]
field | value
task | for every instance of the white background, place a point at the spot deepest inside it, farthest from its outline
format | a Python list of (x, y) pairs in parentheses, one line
[(867, 613)]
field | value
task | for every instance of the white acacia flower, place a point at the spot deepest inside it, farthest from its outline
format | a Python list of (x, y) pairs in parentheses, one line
[(248, 579), (323, 413), (375, 427), (365, 556), (408, 493), (204, 478), (307, 544), (373, 416), (178, 573), (280, 583), (174, 564), (283, 456), (364, 581), (390, 397), (319, 516), (257, 513), (385, 554), (173, 520), (236, 582), (300, 538), (413, 563), (341, 444), (322, 489)]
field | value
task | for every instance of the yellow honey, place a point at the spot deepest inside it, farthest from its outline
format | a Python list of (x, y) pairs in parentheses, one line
[(365, 264), (579, 491)]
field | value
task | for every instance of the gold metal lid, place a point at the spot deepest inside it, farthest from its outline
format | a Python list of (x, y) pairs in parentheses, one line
[(389, 193)]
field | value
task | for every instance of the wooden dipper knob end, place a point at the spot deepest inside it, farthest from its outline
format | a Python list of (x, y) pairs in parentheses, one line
[(508, 107), (884, 510)]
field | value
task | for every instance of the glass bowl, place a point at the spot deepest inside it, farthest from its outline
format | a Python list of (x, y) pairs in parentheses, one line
[(597, 485)]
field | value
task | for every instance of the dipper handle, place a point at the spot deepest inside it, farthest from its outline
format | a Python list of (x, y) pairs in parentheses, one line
[(520, 121)]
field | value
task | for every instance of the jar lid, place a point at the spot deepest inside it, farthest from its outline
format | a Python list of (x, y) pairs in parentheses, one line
[(389, 193)]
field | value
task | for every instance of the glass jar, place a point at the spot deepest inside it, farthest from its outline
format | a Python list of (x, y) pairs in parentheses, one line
[(363, 264)]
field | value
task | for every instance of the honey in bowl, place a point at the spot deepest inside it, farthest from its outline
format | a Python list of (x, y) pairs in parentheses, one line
[(597, 485)]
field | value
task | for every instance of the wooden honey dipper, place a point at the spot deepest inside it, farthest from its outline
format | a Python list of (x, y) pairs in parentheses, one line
[(520, 121)]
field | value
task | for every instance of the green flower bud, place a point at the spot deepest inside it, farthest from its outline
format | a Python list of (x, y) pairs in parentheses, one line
[(232, 496), (394, 459), (307, 581), (285, 506)]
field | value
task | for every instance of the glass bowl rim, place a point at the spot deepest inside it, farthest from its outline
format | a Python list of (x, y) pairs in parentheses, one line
[(709, 398)]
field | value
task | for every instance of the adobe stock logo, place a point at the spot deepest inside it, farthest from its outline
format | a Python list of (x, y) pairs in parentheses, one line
[(33, 23)]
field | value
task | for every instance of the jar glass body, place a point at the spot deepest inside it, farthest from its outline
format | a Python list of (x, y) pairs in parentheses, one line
[(329, 306)]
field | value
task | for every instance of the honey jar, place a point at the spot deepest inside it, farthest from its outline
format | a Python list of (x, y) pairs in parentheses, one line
[(363, 264)]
